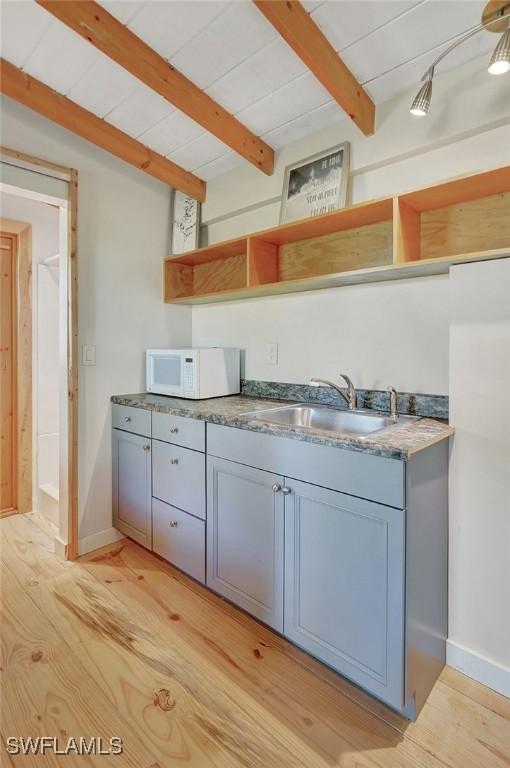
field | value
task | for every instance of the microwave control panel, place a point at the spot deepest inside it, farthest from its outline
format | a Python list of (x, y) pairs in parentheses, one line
[(188, 380)]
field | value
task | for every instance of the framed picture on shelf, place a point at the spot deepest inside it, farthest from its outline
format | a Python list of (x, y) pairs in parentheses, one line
[(185, 223), (316, 185)]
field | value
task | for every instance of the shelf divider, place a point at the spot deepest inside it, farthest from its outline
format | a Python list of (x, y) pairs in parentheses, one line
[(263, 262), (406, 232)]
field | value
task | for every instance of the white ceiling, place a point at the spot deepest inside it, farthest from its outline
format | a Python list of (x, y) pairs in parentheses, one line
[(230, 50)]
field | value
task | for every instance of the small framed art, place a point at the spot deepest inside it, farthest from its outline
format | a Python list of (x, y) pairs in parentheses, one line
[(185, 223), (316, 185)]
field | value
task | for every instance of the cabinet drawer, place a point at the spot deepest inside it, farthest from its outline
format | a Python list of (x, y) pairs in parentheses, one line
[(178, 477), (130, 419), (190, 433), (359, 474), (179, 538)]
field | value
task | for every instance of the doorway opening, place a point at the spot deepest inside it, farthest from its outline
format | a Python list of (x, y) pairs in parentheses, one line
[(15, 368), (38, 330)]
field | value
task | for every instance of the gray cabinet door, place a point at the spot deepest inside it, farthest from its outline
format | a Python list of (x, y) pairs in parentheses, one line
[(245, 538), (344, 585), (132, 486)]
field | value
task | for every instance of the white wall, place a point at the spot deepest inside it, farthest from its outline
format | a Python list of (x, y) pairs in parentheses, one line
[(42, 217), (381, 334), (399, 333), (480, 461), (122, 238)]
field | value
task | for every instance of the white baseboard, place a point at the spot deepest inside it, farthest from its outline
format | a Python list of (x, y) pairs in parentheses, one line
[(478, 667), (97, 540), (60, 548)]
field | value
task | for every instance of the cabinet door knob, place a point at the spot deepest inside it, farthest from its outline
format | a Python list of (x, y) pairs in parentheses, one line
[(127, 419), (277, 488), (146, 447), (173, 523), (173, 430), (286, 490), (174, 461)]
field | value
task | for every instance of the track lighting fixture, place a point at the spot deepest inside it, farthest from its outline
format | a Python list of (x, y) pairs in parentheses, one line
[(498, 21)]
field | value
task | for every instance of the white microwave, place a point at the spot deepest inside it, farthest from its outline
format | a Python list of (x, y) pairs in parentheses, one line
[(193, 373)]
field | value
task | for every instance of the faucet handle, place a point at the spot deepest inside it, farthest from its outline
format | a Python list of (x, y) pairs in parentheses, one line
[(347, 380), (393, 402)]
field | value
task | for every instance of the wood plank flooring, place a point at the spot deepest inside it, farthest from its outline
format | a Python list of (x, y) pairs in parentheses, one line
[(121, 644)]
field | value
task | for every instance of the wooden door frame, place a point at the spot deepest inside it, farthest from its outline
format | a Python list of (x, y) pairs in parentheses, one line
[(66, 543), (11, 346), (21, 234)]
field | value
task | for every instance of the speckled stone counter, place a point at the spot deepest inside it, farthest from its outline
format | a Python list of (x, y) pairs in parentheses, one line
[(400, 443), (412, 404)]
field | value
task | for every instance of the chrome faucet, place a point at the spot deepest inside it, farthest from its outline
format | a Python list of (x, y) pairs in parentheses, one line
[(393, 402), (349, 396)]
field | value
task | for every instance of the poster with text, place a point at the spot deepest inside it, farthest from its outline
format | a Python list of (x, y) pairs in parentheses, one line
[(316, 185)]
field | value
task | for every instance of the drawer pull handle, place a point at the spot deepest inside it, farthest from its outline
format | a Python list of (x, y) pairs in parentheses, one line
[(173, 430), (127, 419), (174, 461), (173, 523), (146, 447), (277, 488), (286, 490)]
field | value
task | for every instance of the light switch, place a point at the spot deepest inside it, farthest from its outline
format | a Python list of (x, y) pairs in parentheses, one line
[(88, 354), (272, 353)]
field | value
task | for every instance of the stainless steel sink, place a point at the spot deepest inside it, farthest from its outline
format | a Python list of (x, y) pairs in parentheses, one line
[(348, 423)]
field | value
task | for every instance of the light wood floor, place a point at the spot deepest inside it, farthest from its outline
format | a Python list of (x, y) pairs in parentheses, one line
[(121, 644)]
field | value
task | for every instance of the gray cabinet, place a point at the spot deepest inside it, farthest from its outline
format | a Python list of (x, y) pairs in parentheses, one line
[(343, 552), (132, 479), (179, 538), (344, 585), (245, 521)]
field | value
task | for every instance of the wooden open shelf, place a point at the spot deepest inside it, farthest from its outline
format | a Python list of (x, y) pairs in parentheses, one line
[(413, 234), (207, 271)]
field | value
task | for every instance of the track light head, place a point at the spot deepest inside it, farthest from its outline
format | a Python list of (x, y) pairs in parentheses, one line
[(421, 103), (500, 59)]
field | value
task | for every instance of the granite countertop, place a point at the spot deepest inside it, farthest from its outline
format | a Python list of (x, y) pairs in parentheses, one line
[(400, 443)]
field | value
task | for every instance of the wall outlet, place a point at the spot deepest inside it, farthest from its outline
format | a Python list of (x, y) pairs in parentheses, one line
[(88, 354), (272, 353)]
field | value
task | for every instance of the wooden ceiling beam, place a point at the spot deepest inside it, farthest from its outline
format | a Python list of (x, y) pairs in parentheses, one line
[(305, 38), (105, 32), (40, 98)]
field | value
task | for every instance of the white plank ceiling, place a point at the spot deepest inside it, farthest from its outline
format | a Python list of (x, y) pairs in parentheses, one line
[(230, 50)]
